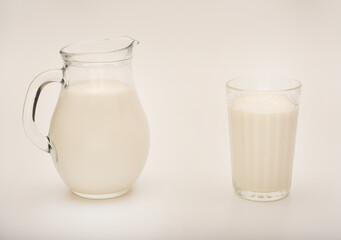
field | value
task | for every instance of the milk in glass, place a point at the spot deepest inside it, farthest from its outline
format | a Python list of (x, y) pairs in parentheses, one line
[(262, 137)]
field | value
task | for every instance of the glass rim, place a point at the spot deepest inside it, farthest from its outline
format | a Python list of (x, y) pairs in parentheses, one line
[(229, 86)]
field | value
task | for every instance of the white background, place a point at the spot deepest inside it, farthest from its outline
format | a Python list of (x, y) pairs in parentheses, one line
[(188, 50)]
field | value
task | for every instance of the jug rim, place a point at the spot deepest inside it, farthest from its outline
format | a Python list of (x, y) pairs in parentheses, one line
[(120, 49)]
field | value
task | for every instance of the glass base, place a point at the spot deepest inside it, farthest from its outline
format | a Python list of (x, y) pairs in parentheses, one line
[(101, 196), (262, 197)]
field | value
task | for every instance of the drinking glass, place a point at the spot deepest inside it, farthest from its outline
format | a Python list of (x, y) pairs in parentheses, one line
[(262, 124)]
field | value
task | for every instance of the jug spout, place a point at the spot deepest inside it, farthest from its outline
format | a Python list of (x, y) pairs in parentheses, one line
[(99, 51), (135, 42)]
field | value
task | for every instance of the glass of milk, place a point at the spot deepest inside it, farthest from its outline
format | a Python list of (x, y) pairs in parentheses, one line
[(98, 137), (262, 124)]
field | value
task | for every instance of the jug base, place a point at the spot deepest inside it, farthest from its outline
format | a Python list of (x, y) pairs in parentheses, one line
[(101, 196)]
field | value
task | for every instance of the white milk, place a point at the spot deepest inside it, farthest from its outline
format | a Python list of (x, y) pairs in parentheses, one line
[(262, 135), (100, 134)]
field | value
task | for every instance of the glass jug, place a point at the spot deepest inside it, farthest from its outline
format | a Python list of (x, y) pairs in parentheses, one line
[(99, 136)]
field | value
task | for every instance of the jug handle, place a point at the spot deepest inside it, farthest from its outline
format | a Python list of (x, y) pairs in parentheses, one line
[(30, 106)]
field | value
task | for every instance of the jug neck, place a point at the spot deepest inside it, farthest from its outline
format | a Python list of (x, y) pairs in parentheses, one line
[(119, 71), (106, 59)]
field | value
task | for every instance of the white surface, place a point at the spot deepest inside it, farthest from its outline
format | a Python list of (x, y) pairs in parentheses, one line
[(188, 50)]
